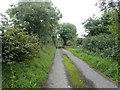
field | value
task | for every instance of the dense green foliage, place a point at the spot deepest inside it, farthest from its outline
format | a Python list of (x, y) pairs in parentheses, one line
[(74, 75), (18, 45), (97, 26), (113, 8), (31, 73), (103, 38), (29, 25), (67, 32), (103, 45), (107, 66), (39, 18), (29, 32)]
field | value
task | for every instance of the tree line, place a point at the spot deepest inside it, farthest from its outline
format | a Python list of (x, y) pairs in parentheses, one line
[(33, 24), (30, 25), (103, 36)]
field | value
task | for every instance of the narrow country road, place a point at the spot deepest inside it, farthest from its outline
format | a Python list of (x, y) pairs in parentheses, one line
[(58, 77)]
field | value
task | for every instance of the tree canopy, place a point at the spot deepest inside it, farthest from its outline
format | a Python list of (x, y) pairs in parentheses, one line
[(104, 32), (39, 18), (67, 32), (96, 26)]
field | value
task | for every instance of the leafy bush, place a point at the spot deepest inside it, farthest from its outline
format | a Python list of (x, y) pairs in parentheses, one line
[(18, 45), (103, 45)]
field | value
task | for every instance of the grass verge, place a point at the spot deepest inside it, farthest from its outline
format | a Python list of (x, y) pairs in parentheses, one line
[(106, 66), (29, 74), (74, 75)]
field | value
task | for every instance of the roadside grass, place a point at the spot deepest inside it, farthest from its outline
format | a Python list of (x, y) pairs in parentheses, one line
[(107, 66), (28, 74), (73, 74)]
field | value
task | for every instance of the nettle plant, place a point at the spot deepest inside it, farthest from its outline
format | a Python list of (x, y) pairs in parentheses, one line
[(18, 45)]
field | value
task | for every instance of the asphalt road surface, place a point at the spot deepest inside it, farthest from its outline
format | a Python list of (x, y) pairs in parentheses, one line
[(58, 77)]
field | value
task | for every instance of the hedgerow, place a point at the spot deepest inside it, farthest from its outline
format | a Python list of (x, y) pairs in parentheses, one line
[(18, 45), (104, 45)]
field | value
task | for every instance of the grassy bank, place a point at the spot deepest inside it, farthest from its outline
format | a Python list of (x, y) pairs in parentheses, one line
[(31, 73), (74, 75), (106, 66)]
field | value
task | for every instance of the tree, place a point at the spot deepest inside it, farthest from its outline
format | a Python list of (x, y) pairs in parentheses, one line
[(114, 7), (67, 32), (39, 18), (95, 26)]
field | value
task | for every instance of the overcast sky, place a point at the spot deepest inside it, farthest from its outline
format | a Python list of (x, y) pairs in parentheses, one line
[(73, 11)]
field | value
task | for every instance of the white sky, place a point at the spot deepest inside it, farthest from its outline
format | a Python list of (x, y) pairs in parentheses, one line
[(73, 11)]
